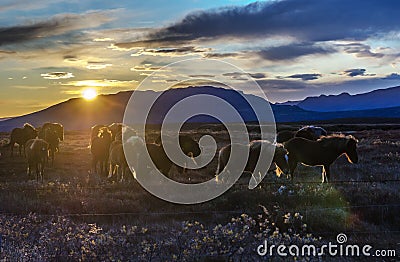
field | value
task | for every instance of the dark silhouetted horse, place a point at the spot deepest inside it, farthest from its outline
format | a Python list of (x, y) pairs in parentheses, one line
[(311, 132), (285, 135), (36, 155), (188, 145), (307, 132), (116, 130), (52, 137), (254, 148), (100, 149), (94, 131), (55, 127), (21, 136), (160, 159), (322, 152)]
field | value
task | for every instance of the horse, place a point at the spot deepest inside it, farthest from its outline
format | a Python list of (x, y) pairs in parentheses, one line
[(322, 152), (254, 148), (21, 136), (311, 132), (100, 149), (94, 131), (56, 127), (159, 157), (285, 135), (308, 132), (37, 152), (188, 145), (116, 130)]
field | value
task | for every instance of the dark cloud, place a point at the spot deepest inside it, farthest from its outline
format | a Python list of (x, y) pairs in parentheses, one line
[(282, 84), (392, 76), (7, 52), (242, 75), (57, 75), (150, 43), (201, 76), (355, 72), (221, 55), (258, 75), (188, 83), (302, 19), (234, 74), (57, 25), (70, 58), (293, 51), (176, 51), (305, 77), (360, 50)]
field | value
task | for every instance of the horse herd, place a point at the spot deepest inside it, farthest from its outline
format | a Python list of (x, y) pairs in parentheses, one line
[(37, 144), (309, 145)]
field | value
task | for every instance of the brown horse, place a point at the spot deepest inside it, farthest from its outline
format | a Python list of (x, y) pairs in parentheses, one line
[(311, 132), (322, 152), (254, 149), (285, 135), (307, 132), (37, 154), (21, 136), (100, 149), (158, 155), (56, 127)]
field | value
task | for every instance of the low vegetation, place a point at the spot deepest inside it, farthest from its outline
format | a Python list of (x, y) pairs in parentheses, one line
[(73, 216)]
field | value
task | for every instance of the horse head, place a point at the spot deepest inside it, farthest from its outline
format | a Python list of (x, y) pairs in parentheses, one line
[(29, 131), (351, 149), (280, 159)]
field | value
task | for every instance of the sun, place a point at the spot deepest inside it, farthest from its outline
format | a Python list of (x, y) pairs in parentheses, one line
[(89, 94)]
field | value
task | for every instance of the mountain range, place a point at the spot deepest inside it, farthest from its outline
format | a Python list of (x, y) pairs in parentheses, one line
[(380, 98), (80, 114)]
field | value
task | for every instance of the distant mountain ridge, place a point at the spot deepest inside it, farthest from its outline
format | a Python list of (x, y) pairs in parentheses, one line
[(380, 98), (79, 114)]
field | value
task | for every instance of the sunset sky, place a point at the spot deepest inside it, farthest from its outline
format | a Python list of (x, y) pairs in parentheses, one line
[(51, 50)]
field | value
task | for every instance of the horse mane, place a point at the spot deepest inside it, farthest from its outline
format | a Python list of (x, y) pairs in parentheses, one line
[(27, 125), (338, 141)]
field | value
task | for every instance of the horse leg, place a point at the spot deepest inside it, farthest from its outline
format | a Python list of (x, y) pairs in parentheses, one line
[(117, 173), (123, 173), (94, 165), (52, 157), (29, 170), (42, 171), (292, 166), (110, 172), (327, 173)]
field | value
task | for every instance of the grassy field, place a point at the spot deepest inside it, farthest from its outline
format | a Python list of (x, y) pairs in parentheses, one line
[(73, 215)]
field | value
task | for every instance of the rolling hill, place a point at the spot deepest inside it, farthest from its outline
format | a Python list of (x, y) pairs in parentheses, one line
[(380, 98), (79, 114)]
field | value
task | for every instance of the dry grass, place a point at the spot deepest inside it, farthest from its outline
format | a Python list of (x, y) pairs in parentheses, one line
[(327, 209)]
